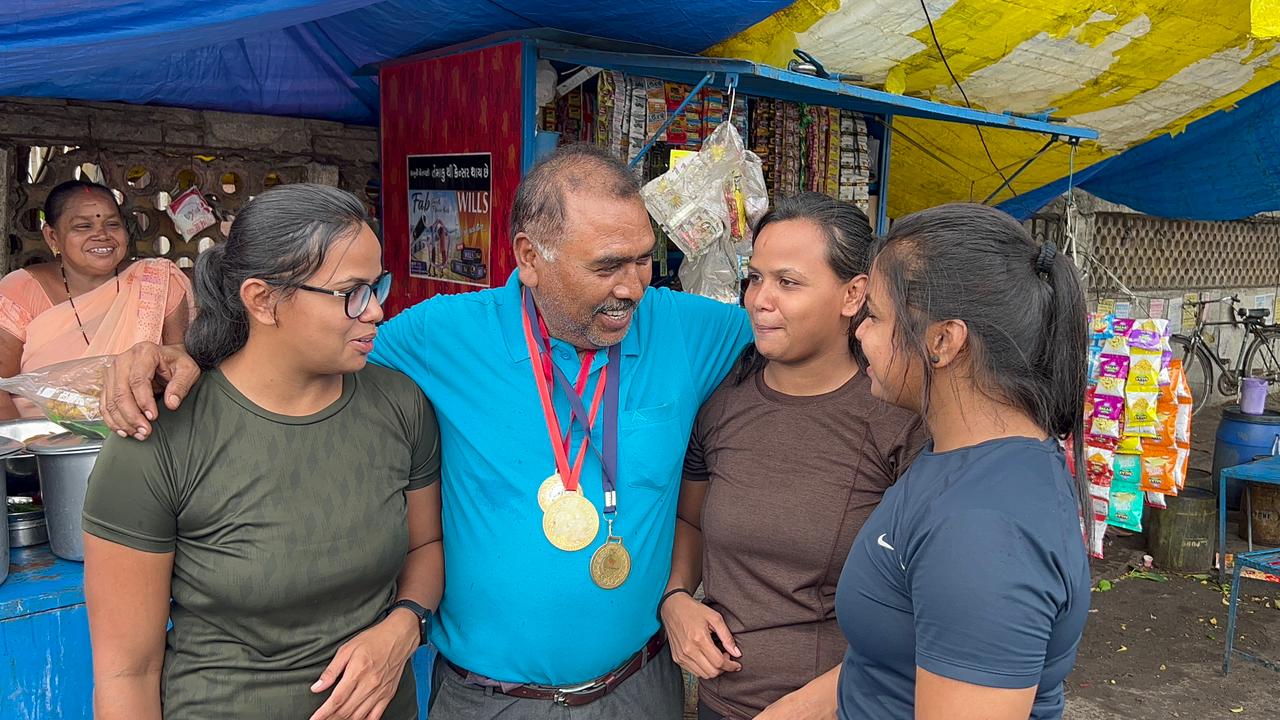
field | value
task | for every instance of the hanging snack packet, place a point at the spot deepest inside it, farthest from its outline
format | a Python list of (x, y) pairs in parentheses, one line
[(1126, 494), (1109, 387), (1178, 376), (1100, 326), (1129, 445), (1156, 500), (1180, 468), (1114, 366), (1097, 524), (1120, 327), (1111, 408), (1099, 465), (1158, 470), (1148, 334), (1140, 415), (1115, 346), (1144, 371), (1125, 509), (1128, 471), (1104, 427)]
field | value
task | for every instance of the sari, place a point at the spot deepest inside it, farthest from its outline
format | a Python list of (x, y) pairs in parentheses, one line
[(114, 320)]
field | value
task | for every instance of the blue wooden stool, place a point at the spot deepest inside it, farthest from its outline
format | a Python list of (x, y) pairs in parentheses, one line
[(1267, 561)]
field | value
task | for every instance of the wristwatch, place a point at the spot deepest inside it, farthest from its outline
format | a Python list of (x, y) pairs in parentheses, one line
[(424, 617)]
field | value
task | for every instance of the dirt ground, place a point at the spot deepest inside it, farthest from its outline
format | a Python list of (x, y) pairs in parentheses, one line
[(1154, 649)]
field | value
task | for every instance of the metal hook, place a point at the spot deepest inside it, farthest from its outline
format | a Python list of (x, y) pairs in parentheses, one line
[(731, 84)]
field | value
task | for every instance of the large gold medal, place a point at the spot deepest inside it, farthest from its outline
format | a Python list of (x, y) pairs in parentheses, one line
[(571, 522), (551, 490), (611, 564)]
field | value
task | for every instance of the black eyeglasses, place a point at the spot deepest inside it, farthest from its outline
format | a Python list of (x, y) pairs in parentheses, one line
[(357, 298)]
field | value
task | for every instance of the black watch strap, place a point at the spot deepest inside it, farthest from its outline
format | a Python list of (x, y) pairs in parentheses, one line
[(424, 617)]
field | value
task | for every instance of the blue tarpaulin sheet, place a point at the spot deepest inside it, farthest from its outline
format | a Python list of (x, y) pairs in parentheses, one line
[(299, 57), (1223, 167)]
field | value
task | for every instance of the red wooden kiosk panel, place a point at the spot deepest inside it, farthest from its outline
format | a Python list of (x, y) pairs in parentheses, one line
[(464, 103)]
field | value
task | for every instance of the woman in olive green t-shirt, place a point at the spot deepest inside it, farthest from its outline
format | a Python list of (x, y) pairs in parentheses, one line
[(287, 517)]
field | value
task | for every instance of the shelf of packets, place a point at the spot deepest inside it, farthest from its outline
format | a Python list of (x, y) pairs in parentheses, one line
[(1137, 422), (801, 147)]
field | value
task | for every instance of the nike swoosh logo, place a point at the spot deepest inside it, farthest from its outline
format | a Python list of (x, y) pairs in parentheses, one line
[(880, 541)]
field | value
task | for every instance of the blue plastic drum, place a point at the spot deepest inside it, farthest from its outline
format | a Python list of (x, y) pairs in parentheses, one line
[(1242, 437)]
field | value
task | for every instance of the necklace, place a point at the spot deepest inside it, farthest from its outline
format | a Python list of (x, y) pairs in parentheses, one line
[(67, 287)]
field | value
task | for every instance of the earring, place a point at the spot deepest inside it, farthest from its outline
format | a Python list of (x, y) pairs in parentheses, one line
[(934, 359)]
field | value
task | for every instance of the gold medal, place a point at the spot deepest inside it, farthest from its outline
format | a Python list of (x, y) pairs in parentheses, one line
[(571, 522), (551, 490), (611, 564)]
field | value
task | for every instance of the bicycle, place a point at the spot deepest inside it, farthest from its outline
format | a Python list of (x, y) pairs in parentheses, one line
[(1257, 358)]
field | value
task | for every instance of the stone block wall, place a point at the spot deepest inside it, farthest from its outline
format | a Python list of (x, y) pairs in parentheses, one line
[(148, 155)]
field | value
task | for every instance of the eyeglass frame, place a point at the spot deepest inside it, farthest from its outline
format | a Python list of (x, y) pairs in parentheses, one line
[(346, 294)]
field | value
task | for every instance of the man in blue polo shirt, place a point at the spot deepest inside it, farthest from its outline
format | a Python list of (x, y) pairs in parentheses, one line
[(526, 620)]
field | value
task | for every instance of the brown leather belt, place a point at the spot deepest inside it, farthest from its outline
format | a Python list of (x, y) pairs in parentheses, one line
[(575, 695)]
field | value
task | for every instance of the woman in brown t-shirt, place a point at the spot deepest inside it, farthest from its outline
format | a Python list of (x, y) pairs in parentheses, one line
[(786, 461)]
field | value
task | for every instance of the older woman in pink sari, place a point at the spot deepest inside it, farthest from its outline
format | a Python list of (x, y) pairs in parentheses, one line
[(91, 300)]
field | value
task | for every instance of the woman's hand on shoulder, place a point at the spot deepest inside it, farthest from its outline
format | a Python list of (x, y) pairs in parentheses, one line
[(132, 379)]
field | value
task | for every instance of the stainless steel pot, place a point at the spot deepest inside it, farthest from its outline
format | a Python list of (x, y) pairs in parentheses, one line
[(21, 467), (27, 529), (65, 462), (7, 447)]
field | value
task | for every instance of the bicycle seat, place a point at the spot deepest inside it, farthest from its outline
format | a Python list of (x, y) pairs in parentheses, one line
[(1254, 314)]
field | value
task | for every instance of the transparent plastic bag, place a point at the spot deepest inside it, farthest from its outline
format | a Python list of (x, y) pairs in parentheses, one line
[(714, 274), (708, 205), (67, 393)]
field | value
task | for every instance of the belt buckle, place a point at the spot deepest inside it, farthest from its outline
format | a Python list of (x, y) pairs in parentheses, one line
[(561, 695)]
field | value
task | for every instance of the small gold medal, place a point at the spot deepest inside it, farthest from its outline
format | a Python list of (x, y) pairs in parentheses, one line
[(571, 522), (551, 490), (611, 564)]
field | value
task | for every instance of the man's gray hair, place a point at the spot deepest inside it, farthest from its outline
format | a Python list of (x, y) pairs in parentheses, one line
[(539, 208)]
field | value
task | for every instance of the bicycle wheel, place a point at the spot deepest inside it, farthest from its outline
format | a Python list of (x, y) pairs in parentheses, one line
[(1198, 369), (1262, 360)]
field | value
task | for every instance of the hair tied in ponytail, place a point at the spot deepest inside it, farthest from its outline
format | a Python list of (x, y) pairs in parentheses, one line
[(1044, 263)]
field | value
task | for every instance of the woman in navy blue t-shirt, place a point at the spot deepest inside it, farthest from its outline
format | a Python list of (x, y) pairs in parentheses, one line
[(966, 592)]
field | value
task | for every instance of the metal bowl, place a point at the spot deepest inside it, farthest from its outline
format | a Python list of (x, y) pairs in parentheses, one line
[(27, 529)]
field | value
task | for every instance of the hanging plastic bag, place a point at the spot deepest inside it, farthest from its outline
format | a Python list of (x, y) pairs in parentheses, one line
[(191, 213), (708, 205), (67, 393)]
